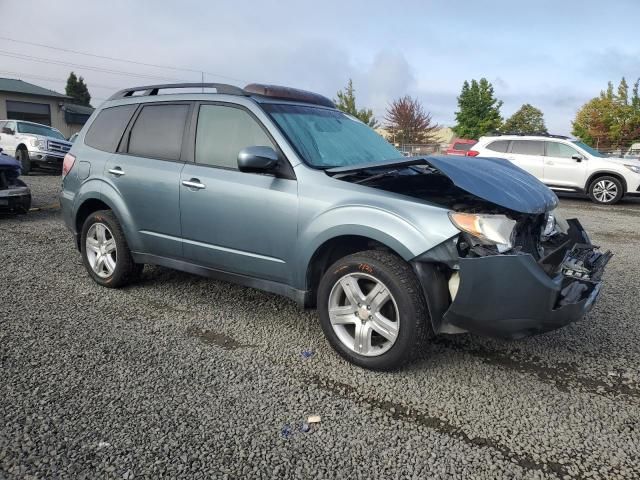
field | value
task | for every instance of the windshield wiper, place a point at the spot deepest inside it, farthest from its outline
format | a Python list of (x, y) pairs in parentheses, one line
[(370, 178)]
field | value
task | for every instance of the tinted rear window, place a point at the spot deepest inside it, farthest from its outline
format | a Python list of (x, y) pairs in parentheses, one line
[(464, 147), (158, 131), (107, 129), (527, 147), (499, 146)]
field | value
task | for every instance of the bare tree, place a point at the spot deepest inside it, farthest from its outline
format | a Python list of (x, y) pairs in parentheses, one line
[(408, 122)]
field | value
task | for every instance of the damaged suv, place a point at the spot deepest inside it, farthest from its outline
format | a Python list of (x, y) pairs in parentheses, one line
[(274, 188)]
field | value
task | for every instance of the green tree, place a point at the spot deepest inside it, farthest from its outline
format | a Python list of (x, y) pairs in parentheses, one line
[(409, 123), (611, 120), (347, 103), (527, 120), (478, 110), (77, 90)]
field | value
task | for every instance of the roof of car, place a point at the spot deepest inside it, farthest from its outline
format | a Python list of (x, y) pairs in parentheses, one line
[(516, 136)]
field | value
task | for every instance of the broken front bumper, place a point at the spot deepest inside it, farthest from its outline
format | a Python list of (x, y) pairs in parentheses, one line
[(513, 296), (15, 199)]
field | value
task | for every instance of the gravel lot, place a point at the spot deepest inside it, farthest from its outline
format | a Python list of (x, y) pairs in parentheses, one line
[(180, 376)]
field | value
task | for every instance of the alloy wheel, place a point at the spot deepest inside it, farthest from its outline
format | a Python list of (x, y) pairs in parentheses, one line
[(101, 250), (363, 314), (605, 191)]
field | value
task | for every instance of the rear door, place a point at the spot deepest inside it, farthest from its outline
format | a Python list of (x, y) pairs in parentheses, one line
[(561, 169), (528, 155), (238, 222), (145, 172)]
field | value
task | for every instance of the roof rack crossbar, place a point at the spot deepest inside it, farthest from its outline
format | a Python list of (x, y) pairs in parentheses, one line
[(150, 90), (520, 134)]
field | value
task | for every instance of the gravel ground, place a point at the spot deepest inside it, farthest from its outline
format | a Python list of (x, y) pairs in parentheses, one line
[(180, 376)]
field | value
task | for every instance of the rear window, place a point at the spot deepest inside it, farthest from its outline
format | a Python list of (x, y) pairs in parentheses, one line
[(527, 147), (499, 146), (464, 147), (107, 129), (158, 132)]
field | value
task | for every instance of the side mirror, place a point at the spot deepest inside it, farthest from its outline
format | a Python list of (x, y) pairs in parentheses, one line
[(258, 160), (7, 130), (577, 157)]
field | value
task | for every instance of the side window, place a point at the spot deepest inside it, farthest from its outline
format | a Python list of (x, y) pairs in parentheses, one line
[(499, 146), (107, 129), (527, 147), (158, 132), (556, 149), (222, 132)]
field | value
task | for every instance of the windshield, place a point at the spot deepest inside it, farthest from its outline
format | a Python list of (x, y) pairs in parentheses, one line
[(329, 138), (39, 130), (588, 149)]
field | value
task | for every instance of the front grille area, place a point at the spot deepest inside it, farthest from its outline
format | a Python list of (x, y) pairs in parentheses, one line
[(57, 147)]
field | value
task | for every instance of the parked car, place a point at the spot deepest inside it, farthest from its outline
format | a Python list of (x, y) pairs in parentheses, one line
[(566, 165), (33, 144), (15, 196), (634, 151), (274, 188), (460, 146)]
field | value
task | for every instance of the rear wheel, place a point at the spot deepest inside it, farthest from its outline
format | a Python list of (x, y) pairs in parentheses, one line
[(25, 163), (105, 252), (372, 310), (606, 190)]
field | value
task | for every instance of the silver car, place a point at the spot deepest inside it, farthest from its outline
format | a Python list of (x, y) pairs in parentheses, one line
[(275, 188)]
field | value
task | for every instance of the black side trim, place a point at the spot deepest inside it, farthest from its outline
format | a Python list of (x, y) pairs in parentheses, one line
[(299, 296)]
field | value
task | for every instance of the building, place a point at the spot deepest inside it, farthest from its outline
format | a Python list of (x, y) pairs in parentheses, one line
[(24, 101), (443, 136)]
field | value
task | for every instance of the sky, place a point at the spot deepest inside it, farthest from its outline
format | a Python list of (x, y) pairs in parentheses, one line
[(555, 55)]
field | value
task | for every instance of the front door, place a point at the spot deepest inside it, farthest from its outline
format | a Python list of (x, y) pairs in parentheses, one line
[(238, 222), (561, 169), (146, 175), (528, 155)]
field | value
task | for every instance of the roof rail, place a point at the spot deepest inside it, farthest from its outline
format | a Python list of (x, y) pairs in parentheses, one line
[(535, 134), (153, 89)]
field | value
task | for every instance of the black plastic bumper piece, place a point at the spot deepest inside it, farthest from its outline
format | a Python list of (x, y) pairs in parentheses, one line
[(15, 203), (510, 296)]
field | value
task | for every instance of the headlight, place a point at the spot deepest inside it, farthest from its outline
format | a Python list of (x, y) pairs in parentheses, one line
[(38, 143), (633, 168), (492, 229)]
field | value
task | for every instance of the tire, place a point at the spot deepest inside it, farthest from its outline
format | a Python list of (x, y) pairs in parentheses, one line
[(606, 190), (25, 163), (116, 268), (404, 313)]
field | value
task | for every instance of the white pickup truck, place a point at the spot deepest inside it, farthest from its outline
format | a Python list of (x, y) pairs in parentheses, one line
[(33, 144)]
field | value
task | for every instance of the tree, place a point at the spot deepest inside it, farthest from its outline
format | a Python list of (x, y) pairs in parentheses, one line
[(478, 110), (528, 120), (347, 103), (77, 90), (611, 120), (409, 123)]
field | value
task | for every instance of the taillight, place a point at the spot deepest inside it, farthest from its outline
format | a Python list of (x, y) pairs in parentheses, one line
[(472, 153), (67, 164)]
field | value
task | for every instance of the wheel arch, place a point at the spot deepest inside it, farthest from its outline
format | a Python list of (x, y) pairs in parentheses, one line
[(605, 173), (330, 251)]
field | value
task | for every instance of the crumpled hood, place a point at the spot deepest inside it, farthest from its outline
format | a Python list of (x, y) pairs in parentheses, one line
[(497, 181), (493, 179)]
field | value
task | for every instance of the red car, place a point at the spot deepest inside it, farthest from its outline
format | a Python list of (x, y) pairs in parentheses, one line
[(460, 146)]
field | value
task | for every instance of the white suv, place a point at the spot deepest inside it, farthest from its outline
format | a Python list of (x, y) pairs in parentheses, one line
[(566, 165)]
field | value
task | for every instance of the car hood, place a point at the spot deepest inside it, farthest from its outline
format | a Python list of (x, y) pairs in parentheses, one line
[(45, 138), (622, 161), (493, 179)]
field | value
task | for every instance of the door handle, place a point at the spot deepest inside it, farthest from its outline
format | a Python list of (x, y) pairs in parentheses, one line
[(549, 162), (118, 172), (194, 183)]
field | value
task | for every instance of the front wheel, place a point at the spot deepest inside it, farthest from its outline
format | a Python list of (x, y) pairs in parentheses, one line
[(25, 163), (606, 190), (372, 310), (105, 252)]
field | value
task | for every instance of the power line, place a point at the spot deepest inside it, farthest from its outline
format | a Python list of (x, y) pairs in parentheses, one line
[(32, 58), (105, 57), (52, 79)]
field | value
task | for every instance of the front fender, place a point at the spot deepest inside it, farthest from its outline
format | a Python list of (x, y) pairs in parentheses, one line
[(402, 236)]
